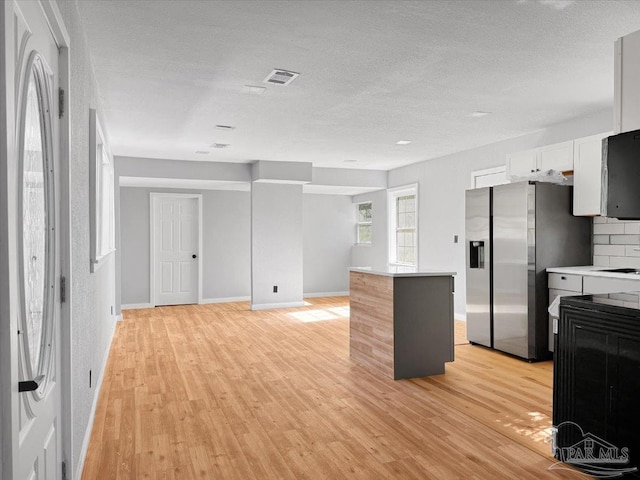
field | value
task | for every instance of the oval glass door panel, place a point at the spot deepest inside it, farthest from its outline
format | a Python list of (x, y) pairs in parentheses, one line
[(35, 220)]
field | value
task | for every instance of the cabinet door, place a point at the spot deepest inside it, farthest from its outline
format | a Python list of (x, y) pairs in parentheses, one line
[(581, 383), (625, 396), (558, 156), (587, 175), (590, 381), (591, 285), (563, 281), (521, 164)]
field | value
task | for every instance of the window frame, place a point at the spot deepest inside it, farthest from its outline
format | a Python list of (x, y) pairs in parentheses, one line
[(392, 196), (359, 223), (102, 194)]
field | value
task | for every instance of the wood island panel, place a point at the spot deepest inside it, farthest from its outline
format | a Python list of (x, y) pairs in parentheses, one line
[(371, 323)]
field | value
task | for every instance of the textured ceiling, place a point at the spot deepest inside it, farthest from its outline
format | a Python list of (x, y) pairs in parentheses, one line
[(371, 73)]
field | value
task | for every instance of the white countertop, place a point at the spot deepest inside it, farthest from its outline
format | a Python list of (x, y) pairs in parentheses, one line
[(398, 271), (593, 271)]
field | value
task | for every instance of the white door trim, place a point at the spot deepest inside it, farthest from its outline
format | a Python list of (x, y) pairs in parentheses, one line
[(153, 198), (487, 171)]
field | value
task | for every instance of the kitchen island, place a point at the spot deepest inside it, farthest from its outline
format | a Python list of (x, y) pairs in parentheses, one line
[(401, 323)]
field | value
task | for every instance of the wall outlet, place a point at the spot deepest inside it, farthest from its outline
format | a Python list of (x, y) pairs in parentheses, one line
[(275, 289)]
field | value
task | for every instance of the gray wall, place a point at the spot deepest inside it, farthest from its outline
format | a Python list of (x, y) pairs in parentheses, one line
[(134, 245), (441, 184), (226, 244), (91, 295), (276, 243), (225, 239), (329, 233)]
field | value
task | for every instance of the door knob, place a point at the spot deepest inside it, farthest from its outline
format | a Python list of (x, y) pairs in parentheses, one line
[(193, 256)]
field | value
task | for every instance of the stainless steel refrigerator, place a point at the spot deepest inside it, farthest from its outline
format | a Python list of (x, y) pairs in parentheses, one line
[(514, 232)]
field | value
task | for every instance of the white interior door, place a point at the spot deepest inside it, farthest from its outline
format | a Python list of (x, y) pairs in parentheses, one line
[(34, 450), (176, 241)]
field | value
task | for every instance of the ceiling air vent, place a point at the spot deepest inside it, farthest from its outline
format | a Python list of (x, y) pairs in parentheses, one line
[(281, 77)]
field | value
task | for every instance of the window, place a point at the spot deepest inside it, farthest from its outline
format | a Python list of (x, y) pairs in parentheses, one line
[(102, 206), (106, 240), (363, 233), (403, 226)]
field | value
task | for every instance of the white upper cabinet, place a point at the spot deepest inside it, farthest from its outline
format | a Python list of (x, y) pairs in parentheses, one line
[(521, 164), (587, 175), (558, 156), (626, 91)]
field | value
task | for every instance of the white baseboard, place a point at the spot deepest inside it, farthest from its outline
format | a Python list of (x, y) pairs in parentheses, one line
[(94, 405), (269, 306), (326, 294), (460, 316), (225, 300), (119, 318), (134, 306)]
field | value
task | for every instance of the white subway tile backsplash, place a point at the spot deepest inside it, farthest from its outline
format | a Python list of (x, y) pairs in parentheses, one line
[(632, 227), (601, 239), (616, 243), (632, 262), (608, 228), (625, 239), (632, 251), (611, 250), (601, 261)]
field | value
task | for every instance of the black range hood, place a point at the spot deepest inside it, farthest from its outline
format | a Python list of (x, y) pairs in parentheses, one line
[(621, 176)]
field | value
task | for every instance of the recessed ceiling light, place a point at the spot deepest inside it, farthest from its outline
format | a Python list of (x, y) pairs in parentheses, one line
[(403, 142), (252, 90), (203, 152), (225, 127), (479, 114), (349, 161), (219, 145)]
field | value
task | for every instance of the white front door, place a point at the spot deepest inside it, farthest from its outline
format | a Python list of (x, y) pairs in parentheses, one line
[(31, 365), (175, 245)]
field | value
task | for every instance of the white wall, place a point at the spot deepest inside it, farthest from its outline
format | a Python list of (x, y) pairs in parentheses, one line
[(276, 244), (329, 233), (91, 296), (442, 183), (225, 239)]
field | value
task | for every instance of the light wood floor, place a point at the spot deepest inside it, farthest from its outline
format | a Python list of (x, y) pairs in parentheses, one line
[(220, 392)]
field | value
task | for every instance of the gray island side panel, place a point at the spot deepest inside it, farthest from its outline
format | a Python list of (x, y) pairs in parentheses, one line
[(423, 325)]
